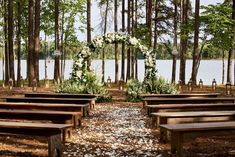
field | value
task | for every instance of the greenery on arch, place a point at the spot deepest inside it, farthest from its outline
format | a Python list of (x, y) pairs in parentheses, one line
[(80, 65)]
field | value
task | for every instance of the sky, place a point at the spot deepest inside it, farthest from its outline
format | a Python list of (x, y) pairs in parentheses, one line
[(95, 17)]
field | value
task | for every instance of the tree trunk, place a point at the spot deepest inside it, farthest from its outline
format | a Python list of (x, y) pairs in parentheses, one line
[(196, 38), (123, 44), (149, 4), (10, 39), (7, 74), (136, 52), (116, 44), (233, 17), (155, 25), (132, 49), (62, 46), (175, 41), (105, 29), (183, 40), (128, 72), (37, 39), (57, 43), (18, 38), (223, 71), (46, 55), (88, 29), (31, 42), (229, 67)]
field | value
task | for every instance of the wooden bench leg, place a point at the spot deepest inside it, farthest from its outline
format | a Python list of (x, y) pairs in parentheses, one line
[(163, 135), (55, 148), (155, 121), (67, 133), (144, 104), (176, 143), (86, 111), (148, 111), (77, 121), (93, 104)]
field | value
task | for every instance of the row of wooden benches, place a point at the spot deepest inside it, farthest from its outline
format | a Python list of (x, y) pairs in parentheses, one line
[(168, 109), (65, 111)]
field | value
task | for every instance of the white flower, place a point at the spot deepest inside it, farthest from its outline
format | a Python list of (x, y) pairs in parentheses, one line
[(133, 41), (78, 74), (100, 41)]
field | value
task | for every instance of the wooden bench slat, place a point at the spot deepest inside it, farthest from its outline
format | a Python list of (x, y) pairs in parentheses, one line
[(36, 112), (92, 97), (157, 101), (199, 126), (165, 106), (194, 114), (59, 95), (45, 126), (182, 95)]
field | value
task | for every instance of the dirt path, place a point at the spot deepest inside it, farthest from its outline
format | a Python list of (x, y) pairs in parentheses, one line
[(118, 129)]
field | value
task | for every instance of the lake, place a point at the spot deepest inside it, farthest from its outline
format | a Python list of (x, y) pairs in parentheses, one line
[(208, 70)]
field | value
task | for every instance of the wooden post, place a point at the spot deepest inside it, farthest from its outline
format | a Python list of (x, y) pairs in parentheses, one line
[(176, 143), (55, 148)]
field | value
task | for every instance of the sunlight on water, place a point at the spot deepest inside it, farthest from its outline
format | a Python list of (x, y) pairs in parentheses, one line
[(208, 70)]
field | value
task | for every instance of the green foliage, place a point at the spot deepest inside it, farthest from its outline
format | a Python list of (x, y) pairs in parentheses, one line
[(154, 85), (159, 85), (134, 91), (218, 23), (90, 85)]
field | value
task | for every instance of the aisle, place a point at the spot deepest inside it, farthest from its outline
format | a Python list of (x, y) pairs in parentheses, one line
[(114, 129)]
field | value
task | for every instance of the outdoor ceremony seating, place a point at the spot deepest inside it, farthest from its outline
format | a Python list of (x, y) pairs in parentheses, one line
[(78, 108), (182, 95), (179, 133), (192, 116), (53, 133), (57, 117), (65, 95), (190, 107), (48, 101), (152, 102)]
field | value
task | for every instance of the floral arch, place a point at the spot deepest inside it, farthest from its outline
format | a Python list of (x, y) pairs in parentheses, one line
[(80, 64)]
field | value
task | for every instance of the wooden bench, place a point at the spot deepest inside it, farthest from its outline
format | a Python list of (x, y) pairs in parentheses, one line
[(92, 97), (199, 116), (57, 117), (157, 101), (45, 106), (54, 101), (182, 95), (52, 132), (190, 107), (182, 132)]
